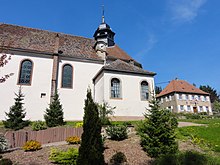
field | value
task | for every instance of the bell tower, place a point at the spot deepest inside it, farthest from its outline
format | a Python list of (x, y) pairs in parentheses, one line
[(104, 33)]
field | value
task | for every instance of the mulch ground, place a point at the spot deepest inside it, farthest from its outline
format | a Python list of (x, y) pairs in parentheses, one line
[(130, 147)]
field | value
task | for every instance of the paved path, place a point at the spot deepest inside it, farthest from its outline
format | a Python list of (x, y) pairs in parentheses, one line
[(186, 124)]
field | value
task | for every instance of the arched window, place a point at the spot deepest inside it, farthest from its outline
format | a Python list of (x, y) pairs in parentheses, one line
[(115, 88), (25, 74), (144, 90), (67, 76)]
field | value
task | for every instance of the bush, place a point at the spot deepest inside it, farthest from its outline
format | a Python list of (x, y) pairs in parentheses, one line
[(73, 140), (79, 124), (5, 161), (118, 158), (3, 143), (38, 125), (32, 145), (104, 111), (117, 132), (186, 158), (68, 157)]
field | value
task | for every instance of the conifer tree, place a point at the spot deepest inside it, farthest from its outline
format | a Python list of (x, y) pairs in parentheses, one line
[(54, 114), (16, 114), (91, 149), (158, 131)]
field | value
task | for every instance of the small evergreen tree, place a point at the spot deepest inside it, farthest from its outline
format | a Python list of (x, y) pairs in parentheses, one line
[(16, 114), (158, 131), (54, 114), (91, 149)]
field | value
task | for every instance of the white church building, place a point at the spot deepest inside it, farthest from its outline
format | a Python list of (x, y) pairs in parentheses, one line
[(43, 61)]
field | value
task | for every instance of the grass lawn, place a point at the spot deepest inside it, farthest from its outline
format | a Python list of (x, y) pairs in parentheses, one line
[(207, 137)]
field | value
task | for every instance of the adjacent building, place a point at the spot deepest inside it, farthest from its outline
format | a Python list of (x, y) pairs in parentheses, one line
[(180, 96), (44, 61)]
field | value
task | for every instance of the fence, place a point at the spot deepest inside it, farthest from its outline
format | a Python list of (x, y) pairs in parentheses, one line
[(50, 135)]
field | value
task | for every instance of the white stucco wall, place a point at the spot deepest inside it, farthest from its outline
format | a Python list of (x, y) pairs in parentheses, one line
[(130, 104), (41, 83), (73, 99)]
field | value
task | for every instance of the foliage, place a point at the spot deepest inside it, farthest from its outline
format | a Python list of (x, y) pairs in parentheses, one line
[(91, 148), (216, 107), (73, 140), (4, 59), (117, 132), (104, 111), (158, 89), (32, 145), (38, 125), (3, 143), (213, 93), (16, 114), (79, 124), (118, 158), (158, 131), (68, 157), (186, 158), (5, 161), (54, 114), (206, 136)]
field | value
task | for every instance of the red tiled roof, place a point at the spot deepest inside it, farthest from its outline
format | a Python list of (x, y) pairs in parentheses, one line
[(19, 37), (180, 86), (117, 52), (119, 65)]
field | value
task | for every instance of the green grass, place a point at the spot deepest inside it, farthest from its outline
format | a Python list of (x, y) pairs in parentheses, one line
[(207, 136)]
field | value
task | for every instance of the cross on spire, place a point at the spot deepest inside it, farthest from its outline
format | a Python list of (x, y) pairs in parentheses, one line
[(103, 14)]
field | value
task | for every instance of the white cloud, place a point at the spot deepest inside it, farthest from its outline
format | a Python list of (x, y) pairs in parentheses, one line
[(151, 41), (185, 10)]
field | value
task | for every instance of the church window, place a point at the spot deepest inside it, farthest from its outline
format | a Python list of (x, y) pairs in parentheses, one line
[(115, 88), (145, 91), (67, 76), (25, 74)]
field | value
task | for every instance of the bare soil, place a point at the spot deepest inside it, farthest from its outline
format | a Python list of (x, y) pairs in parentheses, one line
[(130, 147)]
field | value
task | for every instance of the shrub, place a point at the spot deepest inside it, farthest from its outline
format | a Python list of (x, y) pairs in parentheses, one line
[(158, 131), (32, 145), (73, 140), (118, 158), (38, 125), (91, 148), (3, 143), (117, 132), (68, 157), (104, 111), (79, 124), (5, 161), (186, 158)]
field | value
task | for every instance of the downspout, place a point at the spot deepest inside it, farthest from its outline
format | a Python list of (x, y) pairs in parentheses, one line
[(55, 68)]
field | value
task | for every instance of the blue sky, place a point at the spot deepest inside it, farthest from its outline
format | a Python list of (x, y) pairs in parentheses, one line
[(174, 38)]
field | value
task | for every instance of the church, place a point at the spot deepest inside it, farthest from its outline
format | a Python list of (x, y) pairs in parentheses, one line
[(43, 62)]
